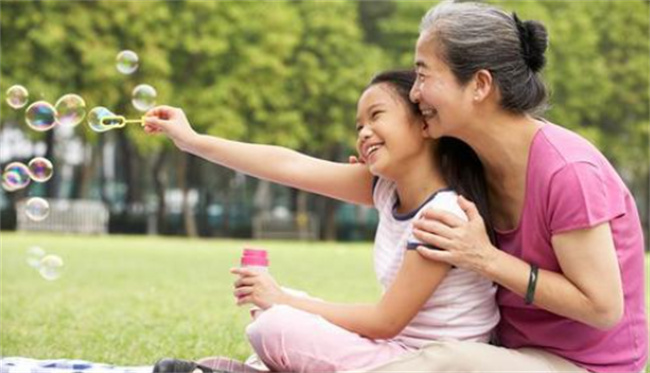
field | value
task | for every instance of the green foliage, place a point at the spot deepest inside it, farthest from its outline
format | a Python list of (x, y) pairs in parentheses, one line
[(330, 69), (290, 72)]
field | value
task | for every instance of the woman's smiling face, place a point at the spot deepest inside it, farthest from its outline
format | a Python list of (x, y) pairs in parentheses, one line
[(444, 103)]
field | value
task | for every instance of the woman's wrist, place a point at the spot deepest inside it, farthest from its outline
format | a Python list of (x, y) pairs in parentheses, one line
[(489, 265)]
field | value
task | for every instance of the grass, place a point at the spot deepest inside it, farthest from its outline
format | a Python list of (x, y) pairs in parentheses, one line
[(130, 300)]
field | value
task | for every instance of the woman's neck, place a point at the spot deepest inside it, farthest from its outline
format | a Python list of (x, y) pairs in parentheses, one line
[(417, 184), (502, 142)]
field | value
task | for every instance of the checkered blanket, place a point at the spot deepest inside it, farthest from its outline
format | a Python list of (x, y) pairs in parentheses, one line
[(25, 365)]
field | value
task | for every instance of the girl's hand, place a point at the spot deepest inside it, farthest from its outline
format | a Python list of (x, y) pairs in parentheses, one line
[(257, 288), (353, 159), (173, 123), (464, 244)]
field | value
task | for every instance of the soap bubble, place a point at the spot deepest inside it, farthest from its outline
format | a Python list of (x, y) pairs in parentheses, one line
[(7, 187), (34, 256), (51, 266), (17, 96), (70, 110), (95, 118), (144, 97), (127, 62), (37, 208), (40, 169), (16, 175), (40, 116)]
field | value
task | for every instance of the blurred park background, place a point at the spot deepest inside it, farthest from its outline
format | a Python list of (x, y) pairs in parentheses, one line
[(280, 72)]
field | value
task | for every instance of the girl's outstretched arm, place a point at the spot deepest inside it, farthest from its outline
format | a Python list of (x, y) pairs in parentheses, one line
[(347, 182)]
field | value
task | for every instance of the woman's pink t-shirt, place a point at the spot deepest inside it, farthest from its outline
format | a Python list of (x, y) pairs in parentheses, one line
[(570, 185)]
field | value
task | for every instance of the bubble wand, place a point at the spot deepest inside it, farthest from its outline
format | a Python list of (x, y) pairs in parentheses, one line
[(119, 121)]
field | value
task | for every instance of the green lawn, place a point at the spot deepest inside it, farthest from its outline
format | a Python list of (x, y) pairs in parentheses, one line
[(131, 300)]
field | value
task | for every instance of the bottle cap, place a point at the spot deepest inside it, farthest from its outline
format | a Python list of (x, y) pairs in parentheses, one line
[(254, 257)]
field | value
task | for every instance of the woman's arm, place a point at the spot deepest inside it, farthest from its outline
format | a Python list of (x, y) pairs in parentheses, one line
[(416, 280), (588, 290), (346, 182)]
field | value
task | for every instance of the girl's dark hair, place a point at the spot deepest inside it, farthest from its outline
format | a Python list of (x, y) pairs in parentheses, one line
[(460, 166)]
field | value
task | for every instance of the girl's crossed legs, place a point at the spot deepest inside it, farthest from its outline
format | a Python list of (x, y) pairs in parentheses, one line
[(290, 340)]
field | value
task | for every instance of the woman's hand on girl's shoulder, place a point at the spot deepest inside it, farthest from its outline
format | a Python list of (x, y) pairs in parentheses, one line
[(464, 244)]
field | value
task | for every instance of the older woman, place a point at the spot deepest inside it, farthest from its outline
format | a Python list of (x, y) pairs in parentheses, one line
[(569, 257)]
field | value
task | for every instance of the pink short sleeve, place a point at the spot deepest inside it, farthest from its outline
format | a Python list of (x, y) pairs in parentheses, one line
[(579, 198)]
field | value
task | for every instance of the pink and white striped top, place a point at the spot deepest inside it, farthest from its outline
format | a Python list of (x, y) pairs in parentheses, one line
[(463, 307)]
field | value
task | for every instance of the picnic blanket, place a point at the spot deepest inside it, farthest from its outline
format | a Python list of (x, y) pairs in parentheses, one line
[(26, 365)]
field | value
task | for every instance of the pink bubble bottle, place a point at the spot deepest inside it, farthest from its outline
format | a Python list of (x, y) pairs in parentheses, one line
[(256, 259)]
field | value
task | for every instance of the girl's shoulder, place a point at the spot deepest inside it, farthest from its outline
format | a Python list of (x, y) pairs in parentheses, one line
[(444, 199)]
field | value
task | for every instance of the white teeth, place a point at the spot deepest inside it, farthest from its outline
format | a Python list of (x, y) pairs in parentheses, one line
[(371, 150), (428, 112)]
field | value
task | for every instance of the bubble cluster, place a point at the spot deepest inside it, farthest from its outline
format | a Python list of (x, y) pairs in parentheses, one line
[(127, 62), (144, 97), (17, 96), (95, 118), (37, 208), (51, 267), (15, 176), (70, 110), (40, 169), (34, 256), (40, 116)]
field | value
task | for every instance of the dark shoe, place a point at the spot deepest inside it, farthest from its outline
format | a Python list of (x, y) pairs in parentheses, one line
[(169, 365)]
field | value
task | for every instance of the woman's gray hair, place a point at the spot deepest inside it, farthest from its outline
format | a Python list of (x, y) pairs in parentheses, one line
[(473, 36)]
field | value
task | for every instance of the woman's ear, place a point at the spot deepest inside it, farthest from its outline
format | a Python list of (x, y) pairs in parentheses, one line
[(482, 85)]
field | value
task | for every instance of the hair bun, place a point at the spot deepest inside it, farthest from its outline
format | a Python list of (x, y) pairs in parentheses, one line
[(534, 41)]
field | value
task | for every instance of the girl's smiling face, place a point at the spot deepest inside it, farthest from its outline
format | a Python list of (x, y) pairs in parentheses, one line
[(389, 132)]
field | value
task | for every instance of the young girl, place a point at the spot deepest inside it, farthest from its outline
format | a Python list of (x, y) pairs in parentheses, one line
[(404, 170)]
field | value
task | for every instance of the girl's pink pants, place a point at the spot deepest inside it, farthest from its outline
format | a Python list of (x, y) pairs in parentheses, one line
[(290, 340)]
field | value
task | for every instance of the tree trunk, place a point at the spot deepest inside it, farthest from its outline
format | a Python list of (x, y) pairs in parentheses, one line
[(131, 163), (83, 173), (329, 225), (51, 187), (87, 173), (102, 172), (302, 216), (189, 220), (225, 222), (160, 183)]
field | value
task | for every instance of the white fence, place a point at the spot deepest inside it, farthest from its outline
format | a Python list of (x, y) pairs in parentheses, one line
[(68, 216), (300, 226)]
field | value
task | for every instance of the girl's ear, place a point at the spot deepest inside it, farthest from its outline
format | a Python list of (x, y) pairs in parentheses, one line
[(424, 129)]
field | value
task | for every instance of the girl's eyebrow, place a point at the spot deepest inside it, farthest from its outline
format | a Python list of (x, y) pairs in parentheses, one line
[(373, 106)]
